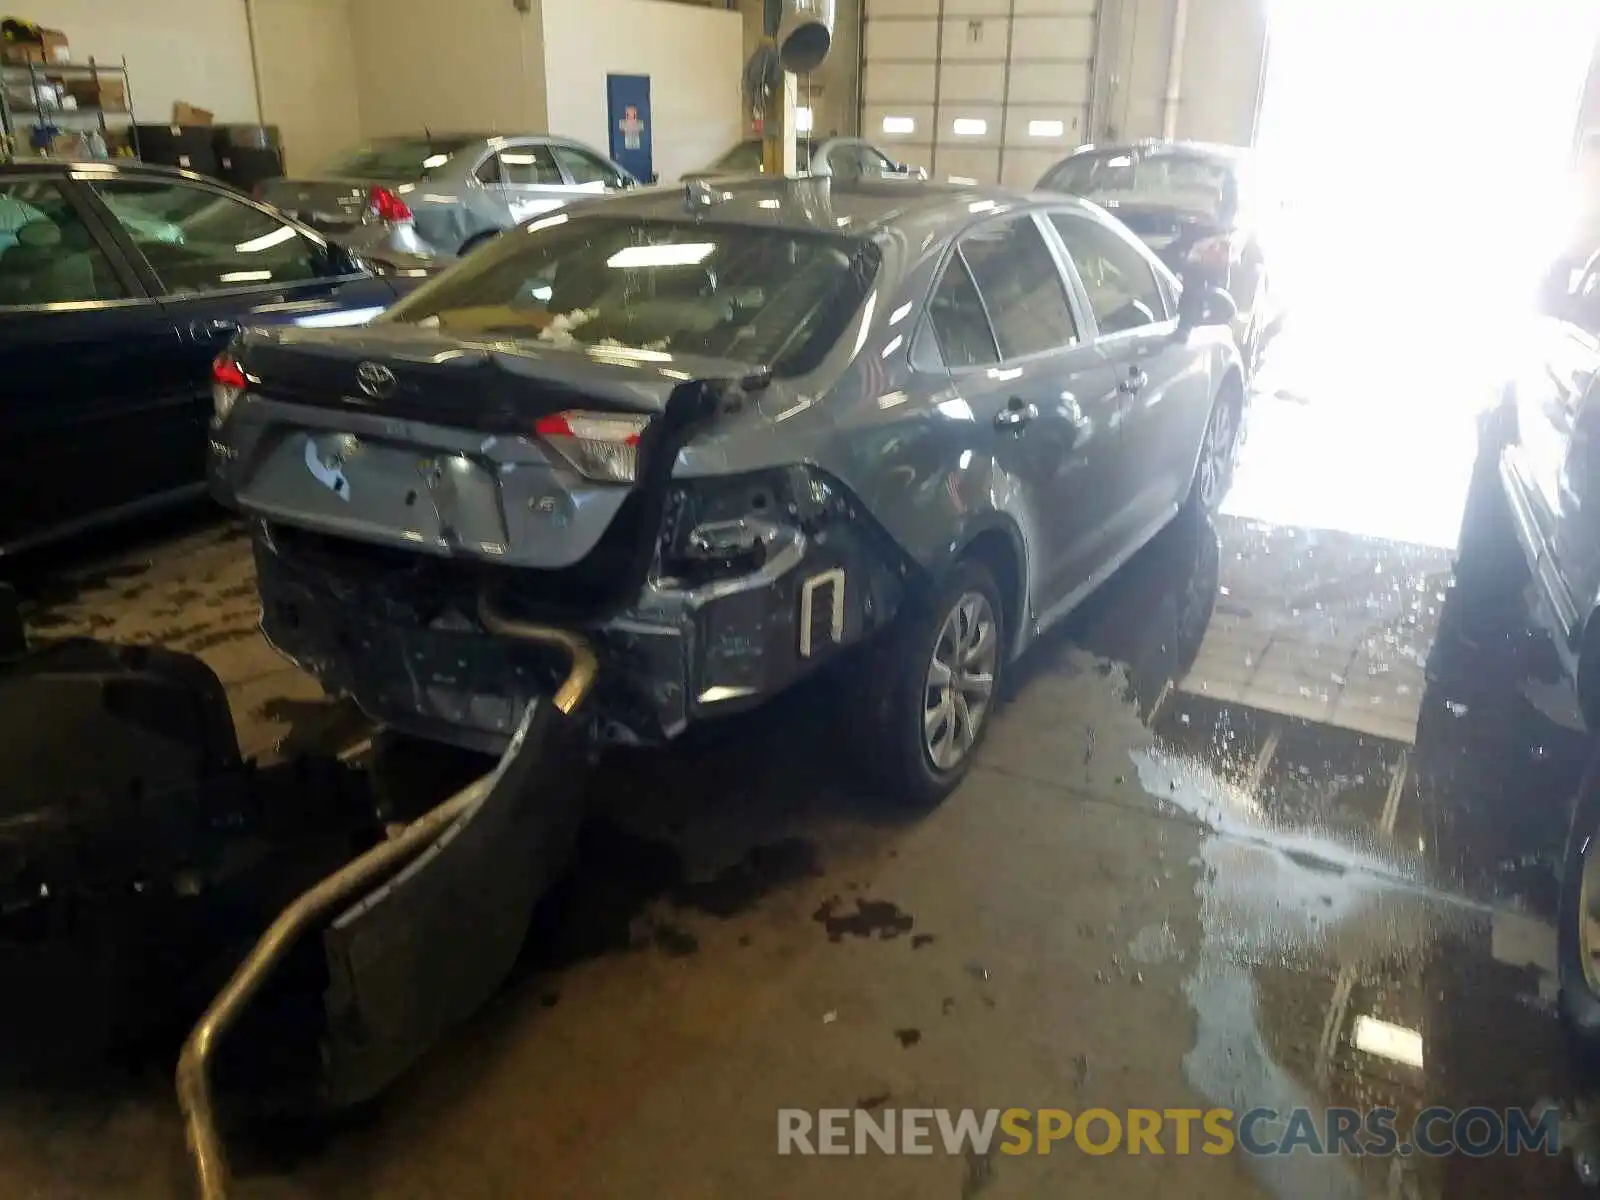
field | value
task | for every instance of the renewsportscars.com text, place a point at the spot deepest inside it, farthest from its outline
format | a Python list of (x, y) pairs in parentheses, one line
[(1436, 1132)]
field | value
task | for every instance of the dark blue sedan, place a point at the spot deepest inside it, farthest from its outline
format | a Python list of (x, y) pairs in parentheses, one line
[(119, 283)]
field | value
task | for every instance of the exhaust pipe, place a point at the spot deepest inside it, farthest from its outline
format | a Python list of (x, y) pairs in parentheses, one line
[(805, 34), (206, 1148)]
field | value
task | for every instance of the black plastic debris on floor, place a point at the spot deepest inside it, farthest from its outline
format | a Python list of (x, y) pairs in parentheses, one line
[(870, 918)]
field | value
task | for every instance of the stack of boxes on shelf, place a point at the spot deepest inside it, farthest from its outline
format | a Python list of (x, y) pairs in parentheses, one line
[(54, 106), (50, 105)]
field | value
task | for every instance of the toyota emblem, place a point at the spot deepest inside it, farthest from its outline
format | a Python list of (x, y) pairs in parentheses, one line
[(376, 380)]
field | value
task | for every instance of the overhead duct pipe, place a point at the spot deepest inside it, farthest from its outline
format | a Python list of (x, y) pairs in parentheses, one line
[(805, 34)]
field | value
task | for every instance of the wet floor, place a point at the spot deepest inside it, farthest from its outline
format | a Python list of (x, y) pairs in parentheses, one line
[(1272, 823)]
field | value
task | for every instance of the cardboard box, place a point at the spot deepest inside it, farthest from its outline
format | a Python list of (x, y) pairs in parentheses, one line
[(54, 44), (188, 114), (50, 48), (108, 92)]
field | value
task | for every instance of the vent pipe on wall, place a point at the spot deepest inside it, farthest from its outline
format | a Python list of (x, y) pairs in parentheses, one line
[(805, 34)]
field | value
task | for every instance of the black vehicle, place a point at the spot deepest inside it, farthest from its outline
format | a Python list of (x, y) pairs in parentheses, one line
[(1532, 529), (1194, 204), (119, 283)]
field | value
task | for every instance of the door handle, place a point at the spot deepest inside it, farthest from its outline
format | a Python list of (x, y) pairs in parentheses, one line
[(1133, 381), (211, 331), (1016, 414)]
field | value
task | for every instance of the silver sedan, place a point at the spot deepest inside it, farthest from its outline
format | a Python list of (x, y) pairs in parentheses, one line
[(443, 193)]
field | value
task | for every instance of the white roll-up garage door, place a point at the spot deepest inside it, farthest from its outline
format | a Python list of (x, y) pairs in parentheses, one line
[(982, 90)]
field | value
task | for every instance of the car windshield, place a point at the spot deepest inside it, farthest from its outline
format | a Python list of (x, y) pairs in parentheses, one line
[(1193, 182), (400, 159), (774, 297)]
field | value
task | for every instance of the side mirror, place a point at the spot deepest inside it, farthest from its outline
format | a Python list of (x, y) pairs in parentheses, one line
[(1203, 303)]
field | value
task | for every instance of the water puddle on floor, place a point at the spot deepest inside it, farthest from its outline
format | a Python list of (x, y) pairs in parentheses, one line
[(1374, 910)]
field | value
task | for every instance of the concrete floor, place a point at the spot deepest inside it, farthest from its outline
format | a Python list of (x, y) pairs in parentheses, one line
[(1267, 784)]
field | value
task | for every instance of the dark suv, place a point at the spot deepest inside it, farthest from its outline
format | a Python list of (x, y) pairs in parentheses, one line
[(1532, 528)]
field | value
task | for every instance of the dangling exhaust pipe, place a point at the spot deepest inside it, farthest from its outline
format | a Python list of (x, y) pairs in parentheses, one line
[(206, 1147)]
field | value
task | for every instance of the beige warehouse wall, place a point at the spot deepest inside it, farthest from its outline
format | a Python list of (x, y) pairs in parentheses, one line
[(1223, 56), (305, 51), (691, 54), (1222, 61), (470, 65), (192, 50)]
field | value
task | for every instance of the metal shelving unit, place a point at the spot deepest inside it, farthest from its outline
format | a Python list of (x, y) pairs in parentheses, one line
[(18, 121)]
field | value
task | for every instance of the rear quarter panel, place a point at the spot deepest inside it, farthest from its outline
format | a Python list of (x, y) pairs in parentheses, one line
[(895, 435)]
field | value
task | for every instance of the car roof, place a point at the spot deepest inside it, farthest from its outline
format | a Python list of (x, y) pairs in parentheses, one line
[(1162, 146), (107, 166), (857, 208), (469, 137)]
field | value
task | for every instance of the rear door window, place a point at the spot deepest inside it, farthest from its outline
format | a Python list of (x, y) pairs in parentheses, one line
[(199, 240), (48, 255), (959, 321), (1022, 288), (529, 166)]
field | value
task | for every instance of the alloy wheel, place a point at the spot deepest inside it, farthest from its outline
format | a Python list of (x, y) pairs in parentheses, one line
[(1589, 915), (960, 684), (1216, 456)]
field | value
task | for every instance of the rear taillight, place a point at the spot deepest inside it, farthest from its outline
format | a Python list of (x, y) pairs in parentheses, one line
[(599, 446), (227, 385), (386, 206)]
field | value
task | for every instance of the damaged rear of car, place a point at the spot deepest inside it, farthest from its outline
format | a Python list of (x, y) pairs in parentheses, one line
[(551, 433), (728, 435)]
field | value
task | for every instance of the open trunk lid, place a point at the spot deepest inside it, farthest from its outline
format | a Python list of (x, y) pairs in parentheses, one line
[(401, 436)]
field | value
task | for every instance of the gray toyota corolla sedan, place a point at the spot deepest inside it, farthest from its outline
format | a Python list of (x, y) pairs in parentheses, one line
[(732, 435), (443, 193)]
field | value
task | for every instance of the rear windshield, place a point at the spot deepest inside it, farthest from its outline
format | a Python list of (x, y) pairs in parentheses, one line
[(1192, 182), (774, 297), (400, 159), (748, 157)]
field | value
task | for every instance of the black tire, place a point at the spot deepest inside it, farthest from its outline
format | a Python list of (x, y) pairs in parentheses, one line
[(1580, 1003), (890, 735)]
